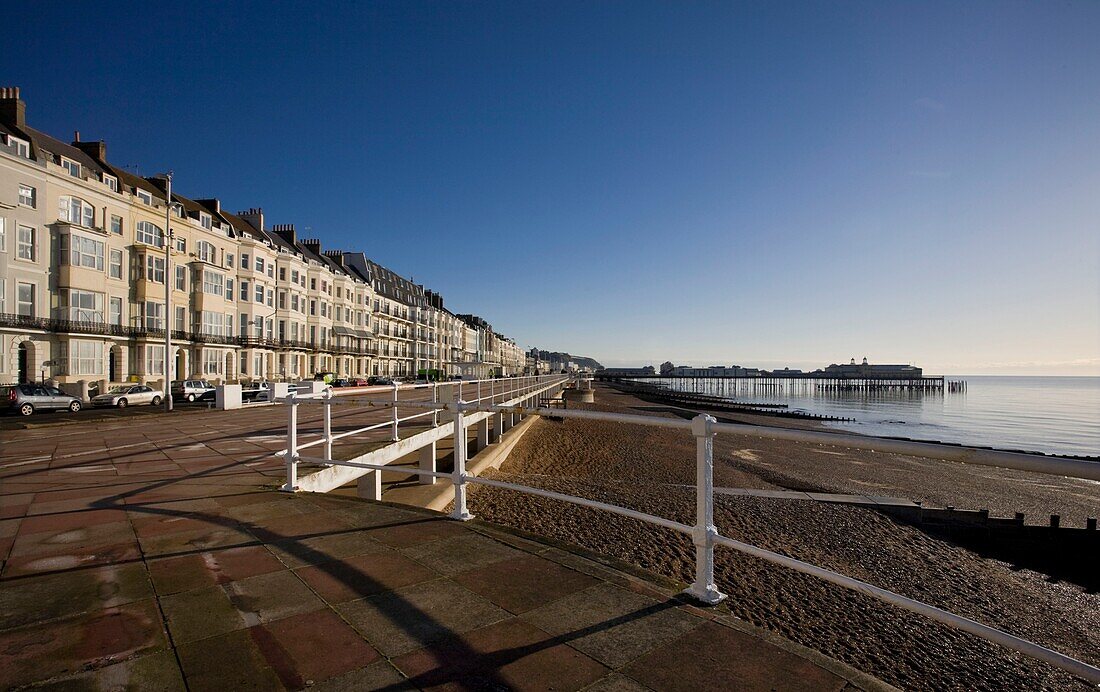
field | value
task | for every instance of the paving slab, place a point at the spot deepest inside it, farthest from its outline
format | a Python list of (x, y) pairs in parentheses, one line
[(170, 525)]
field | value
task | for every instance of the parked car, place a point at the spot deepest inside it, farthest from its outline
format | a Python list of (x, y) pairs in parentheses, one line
[(341, 382), (357, 382), (129, 395), (255, 390), (380, 381), (25, 399), (190, 389)]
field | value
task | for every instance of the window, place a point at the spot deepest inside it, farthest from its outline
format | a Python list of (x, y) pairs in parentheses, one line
[(212, 323), (271, 271), (213, 283), (143, 196), (228, 324), (181, 277), (260, 264), (116, 311), (180, 323), (154, 315), (229, 259), (181, 244), (28, 196), (24, 242), (111, 182), (82, 306), (313, 307), (150, 234), (244, 362), (206, 252), (313, 284), (270, 298), (282, 300), (75, 210), (154, 359), (244, 324), (244, 290), (72, 167), (211, 362), (259, 294), (294, 276), (85, 252), (282, 274), (85, 357), (205, 221), (244, 260), (229, 288), (154, 269), (22, 147), (116, 225), (24, 300), (3, 235)]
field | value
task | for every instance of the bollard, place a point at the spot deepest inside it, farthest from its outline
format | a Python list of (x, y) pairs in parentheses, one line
[(704, 589), (291, 445), (1090, 523), (458, 474), (1055, 520)]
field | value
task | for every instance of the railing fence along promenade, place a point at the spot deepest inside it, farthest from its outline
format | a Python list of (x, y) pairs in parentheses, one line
[(515, 396)]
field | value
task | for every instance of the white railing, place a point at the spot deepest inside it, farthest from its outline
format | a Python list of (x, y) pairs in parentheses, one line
[(704, 534)]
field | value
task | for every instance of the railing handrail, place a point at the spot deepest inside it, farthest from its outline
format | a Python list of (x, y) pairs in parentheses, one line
[(704, 534)]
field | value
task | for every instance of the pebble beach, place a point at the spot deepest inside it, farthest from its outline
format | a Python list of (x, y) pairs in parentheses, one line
[(653, 470)]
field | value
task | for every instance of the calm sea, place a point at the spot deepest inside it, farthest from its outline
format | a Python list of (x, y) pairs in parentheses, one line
[(1057, 415)]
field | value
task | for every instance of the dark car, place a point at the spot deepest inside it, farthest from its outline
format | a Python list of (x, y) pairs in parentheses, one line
[(25, 399), (341, 382), (378, 381)]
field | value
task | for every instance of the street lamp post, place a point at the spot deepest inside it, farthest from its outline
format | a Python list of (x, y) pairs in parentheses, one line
[(168, 293)]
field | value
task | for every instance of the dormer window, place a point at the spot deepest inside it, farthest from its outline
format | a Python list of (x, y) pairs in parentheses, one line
[(76, 210), (111, 182), (205, 221), (143, 196), (72, 167), (22, 147)]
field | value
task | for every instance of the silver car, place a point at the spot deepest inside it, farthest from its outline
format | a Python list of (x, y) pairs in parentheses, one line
[(129, 395), (25, 399)]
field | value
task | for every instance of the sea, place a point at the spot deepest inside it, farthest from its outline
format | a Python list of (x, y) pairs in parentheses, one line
[(1054, 415)]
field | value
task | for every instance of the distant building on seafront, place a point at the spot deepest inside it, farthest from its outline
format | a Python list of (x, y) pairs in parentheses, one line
[(865, 369), (629, 372)]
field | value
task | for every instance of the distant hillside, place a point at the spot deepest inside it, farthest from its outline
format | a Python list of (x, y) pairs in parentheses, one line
[(560, 357)]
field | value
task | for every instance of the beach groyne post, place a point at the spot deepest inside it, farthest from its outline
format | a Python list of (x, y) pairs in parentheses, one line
[(291, 445), (702, 427), (458, 474)]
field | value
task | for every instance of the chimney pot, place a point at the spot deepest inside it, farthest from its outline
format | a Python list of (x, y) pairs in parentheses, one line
[(76, 135)]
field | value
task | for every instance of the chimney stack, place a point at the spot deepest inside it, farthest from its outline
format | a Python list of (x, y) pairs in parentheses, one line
[(12, 108), (254, 216), (97, 150)]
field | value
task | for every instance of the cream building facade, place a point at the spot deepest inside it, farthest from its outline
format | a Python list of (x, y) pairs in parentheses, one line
[(88, 250)]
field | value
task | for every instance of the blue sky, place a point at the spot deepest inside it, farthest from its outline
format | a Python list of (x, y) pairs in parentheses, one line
[(759, 183)]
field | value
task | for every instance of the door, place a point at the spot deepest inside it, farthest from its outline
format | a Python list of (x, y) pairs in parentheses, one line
[(112, 366), (24, 366)]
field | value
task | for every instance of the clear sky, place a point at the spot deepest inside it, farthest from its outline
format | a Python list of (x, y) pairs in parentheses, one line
[(752, 183)]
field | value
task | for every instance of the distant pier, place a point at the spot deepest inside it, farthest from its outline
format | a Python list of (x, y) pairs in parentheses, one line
[(779, 382)]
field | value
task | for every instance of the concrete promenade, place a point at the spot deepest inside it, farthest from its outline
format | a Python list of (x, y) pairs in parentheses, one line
[(154, 553)]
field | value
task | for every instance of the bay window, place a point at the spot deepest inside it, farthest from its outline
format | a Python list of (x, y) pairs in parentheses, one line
[(149, 233)]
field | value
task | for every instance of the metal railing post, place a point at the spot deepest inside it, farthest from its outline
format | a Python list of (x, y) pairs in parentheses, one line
[(704, 589), (327, 399), (435, 400), (458, 474), (393, 428), (291, 445)]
